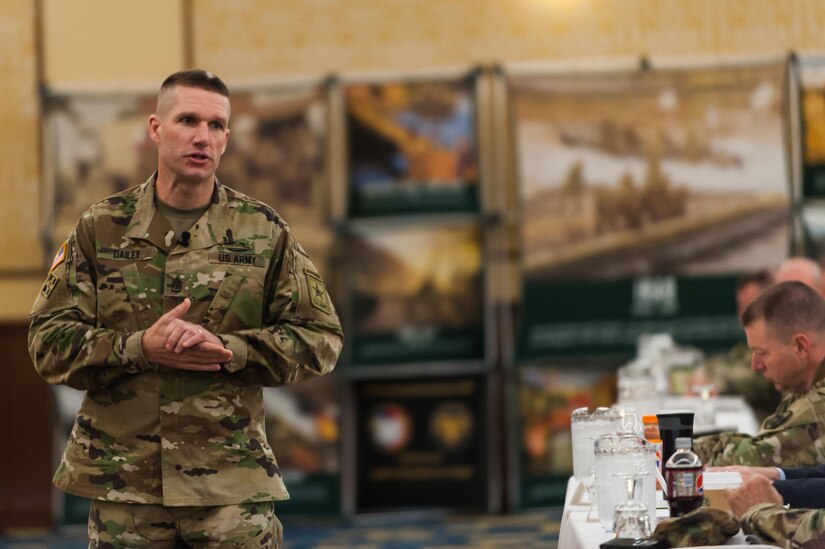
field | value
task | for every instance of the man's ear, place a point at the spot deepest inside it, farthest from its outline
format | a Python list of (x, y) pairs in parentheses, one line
[(225, 142), (154, 124), (801, 343)]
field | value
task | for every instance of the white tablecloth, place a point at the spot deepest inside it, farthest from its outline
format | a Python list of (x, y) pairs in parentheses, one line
[(580, 532)]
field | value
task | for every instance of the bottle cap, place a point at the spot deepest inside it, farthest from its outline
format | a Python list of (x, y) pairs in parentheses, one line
[(650, 419), (683, 442)]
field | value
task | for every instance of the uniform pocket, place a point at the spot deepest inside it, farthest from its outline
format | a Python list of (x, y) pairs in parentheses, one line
[(237, 303)]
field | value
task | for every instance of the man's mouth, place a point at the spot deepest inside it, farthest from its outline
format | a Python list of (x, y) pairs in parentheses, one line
[(199, 157)]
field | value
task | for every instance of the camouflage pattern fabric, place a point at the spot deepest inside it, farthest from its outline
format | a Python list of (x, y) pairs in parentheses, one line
[(731, 374), (792, 528), (793, 436), (703, 526), (125, 525), (156, 435)]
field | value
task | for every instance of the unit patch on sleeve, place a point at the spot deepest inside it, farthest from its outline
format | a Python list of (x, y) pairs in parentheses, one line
[(49, 285), (318, 295)]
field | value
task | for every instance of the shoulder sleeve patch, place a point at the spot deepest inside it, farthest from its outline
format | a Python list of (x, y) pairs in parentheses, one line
[(318, 295), (59, 257)]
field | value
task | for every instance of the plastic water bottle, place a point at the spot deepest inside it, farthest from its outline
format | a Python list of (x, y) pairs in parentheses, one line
[(683, 474)]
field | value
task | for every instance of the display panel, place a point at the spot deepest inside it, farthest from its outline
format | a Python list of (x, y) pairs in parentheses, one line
[(641, 191), (421, 443), (810, 73), (412, 147), (303, 427), (546, 395), (418, 293)]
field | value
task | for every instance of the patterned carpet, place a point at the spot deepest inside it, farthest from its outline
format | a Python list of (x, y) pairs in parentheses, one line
[(528, 530)]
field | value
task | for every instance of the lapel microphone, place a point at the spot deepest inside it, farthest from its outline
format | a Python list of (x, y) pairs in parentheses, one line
[(184, 238)]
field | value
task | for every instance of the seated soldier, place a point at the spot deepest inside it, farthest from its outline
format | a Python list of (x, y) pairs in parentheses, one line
[(785, 329), (731, 372)]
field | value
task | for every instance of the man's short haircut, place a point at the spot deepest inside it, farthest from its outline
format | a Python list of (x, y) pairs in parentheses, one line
[(787, 308), (195, 78), (763, 278)]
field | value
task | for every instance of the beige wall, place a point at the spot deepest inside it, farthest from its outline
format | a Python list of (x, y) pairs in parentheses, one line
[(89, 43), (97, 43), (299, 37), (19, 160), (19, 140)]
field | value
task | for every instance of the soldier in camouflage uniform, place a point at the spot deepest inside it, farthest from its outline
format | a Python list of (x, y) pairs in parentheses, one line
[(171, 304), (731, 372), (785, 327)]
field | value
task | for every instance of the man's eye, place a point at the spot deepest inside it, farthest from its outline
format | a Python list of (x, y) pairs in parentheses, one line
[(187, 120), (217, 126)]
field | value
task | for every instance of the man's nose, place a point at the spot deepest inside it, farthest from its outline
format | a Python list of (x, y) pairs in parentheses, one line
[(202, 133), (756, 364)]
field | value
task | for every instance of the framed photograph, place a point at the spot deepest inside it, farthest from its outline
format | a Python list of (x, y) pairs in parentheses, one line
[(412, 147), (417, 293), (640, 188)]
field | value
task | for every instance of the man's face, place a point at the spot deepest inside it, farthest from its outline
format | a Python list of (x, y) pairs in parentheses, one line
[(191, 130), (779, 361)]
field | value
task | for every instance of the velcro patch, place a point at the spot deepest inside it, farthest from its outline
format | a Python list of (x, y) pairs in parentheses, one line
[(233, 258), (318, 295), (59, 257), (51, 283), (125, 255)]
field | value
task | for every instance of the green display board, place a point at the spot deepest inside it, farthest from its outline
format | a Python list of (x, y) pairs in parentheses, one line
[(563, 318)]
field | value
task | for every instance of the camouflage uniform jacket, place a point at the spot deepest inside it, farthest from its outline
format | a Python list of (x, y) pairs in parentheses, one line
[(791, 528), (793, 436), (151, 434)]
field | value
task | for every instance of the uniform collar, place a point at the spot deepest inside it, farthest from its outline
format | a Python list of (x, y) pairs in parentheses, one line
[(149, 224), (819, 377)]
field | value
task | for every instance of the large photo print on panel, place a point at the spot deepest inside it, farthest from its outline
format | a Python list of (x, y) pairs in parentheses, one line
[(641, 191)]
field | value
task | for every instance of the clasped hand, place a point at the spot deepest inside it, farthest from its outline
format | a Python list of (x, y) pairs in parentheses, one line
[(176, 343)]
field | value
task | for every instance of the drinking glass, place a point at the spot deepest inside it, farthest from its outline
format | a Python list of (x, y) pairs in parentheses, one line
[(705, 414), (584, 429), (631, 518), (617, 455), (630, 423)]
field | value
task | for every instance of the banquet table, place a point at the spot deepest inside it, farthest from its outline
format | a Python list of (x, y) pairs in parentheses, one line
[(580, 526), (581, 529)]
